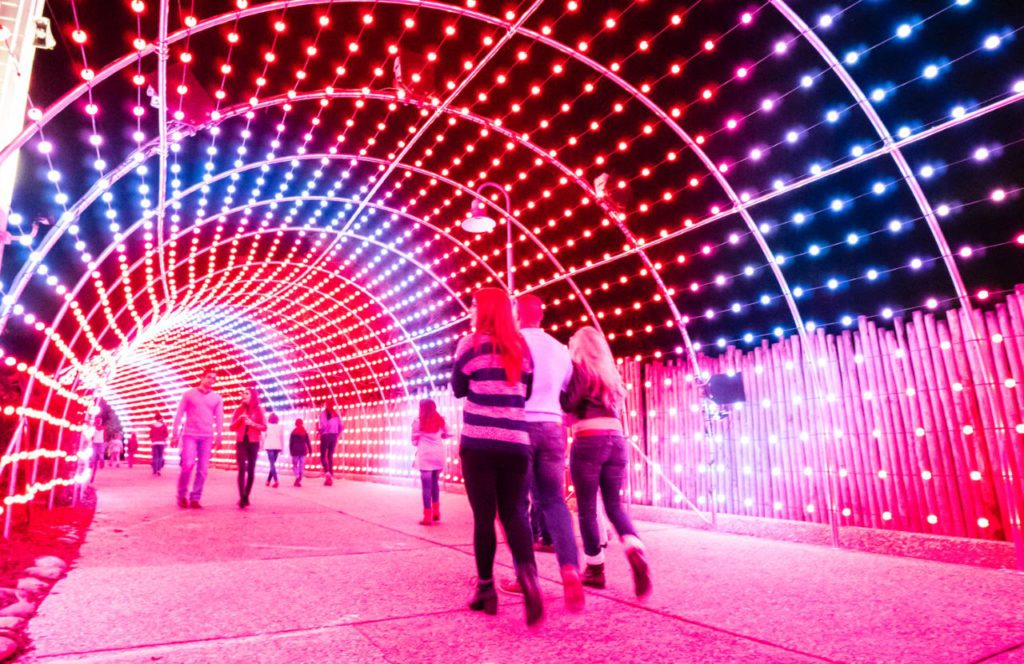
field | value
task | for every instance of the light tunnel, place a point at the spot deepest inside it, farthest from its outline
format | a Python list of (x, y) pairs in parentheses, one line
[(821, 197)]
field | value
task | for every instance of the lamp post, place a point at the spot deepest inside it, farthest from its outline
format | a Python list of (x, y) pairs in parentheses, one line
[(479, 222)]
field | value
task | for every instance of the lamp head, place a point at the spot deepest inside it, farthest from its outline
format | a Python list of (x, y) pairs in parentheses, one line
[(478, 220)]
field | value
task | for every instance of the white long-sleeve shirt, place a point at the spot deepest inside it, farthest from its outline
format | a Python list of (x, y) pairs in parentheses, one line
[(552, 369), (274, 439)]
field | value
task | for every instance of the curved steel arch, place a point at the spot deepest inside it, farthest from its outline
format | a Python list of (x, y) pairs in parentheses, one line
[(890, 147), (514, 29), (225, 270), (422, 171)]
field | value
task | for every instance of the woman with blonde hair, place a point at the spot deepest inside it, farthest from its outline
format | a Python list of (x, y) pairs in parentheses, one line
[(248, 423), (598, 457), (494, 372)]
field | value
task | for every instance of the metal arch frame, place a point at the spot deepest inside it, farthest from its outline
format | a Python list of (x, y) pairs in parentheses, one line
[(190, 312), (544, 155), (344, 199), (271, 6), (513, 29), (62, 312), (892, 148), (422, 171), (50, 392), (189, 316), (197, 323), (723, 182), (163, 51), (86, 275), (454, 296), (398, 370), (214, 21)]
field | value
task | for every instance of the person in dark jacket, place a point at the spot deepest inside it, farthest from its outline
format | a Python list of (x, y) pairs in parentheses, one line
[(298, 447)]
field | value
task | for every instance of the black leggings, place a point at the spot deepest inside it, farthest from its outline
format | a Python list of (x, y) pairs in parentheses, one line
[(327, 443), (496, 483), (245, 455)]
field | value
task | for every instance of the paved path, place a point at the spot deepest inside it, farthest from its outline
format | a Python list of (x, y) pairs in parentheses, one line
[(344, 574)]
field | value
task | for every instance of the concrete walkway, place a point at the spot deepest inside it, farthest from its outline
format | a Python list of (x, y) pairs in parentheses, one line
[(344, 574)]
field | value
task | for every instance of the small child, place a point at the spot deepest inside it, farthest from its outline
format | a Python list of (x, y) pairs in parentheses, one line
[(428, 433), (298, 447), (133, 447)]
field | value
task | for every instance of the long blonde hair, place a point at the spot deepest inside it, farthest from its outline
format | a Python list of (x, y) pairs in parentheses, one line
[(592, 357)]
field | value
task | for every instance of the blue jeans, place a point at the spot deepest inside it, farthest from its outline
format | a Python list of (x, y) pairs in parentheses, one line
[(195, 454), (430, 481), (599, 462), (158, 457), (547, 474), (298, 463), (272, 458)]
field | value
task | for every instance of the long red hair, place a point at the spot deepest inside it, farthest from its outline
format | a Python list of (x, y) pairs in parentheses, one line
[(494, 318), (430, 420)]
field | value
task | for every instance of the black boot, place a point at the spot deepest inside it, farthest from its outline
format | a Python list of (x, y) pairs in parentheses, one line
[(593, 576), (534, 604), (485, 599)]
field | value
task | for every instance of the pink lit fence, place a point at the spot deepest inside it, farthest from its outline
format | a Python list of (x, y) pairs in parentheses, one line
[(925, 427)]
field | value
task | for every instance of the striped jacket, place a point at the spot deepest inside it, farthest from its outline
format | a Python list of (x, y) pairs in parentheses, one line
[(494, 415)]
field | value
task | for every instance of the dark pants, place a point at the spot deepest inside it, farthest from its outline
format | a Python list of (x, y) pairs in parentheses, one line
[(547, 475), (599, 462), (246, 455), (158, 458), (496, 484), (272, 458), (327, 443), (430, 481)]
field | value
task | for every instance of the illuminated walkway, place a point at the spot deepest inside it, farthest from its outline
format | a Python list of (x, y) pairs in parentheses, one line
[(344, 574)]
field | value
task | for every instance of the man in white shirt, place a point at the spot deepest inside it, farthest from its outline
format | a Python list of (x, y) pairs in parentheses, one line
[(202, 410), (552, 370)]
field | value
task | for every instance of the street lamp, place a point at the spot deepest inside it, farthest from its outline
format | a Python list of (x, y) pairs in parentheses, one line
[(479, 222)]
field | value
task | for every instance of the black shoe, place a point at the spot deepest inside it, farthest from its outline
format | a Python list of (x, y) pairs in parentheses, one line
[(534, 604), (182, 502), (593, 576), (485, 599), (641, 572), (194, 504)]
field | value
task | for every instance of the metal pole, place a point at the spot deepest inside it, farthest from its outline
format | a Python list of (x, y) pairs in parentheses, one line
[(509, 260)]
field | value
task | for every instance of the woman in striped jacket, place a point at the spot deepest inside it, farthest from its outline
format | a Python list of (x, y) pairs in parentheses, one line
[(494, 372)]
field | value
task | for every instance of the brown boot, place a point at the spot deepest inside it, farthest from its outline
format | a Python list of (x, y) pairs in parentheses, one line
[(427, 517), (437, 511), (593, 576)]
